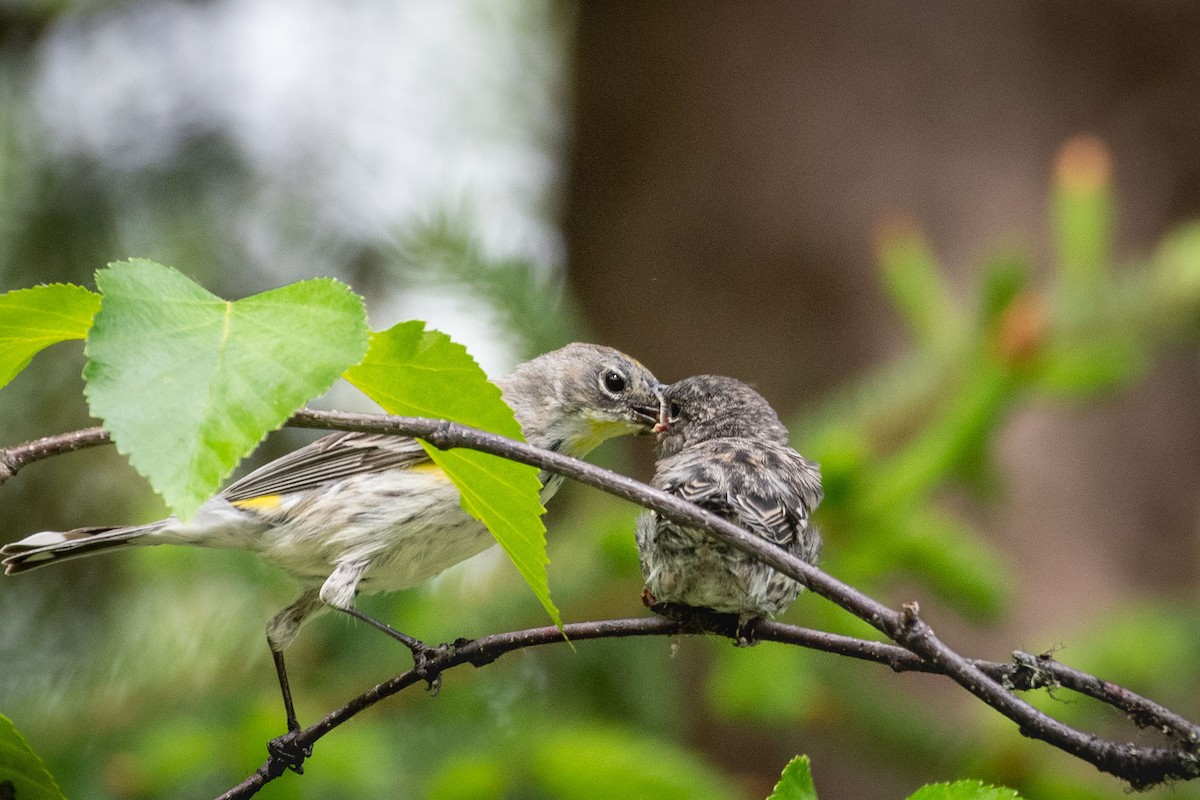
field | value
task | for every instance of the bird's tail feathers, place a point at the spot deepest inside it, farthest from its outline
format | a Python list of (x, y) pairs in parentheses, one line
[(49, 547)]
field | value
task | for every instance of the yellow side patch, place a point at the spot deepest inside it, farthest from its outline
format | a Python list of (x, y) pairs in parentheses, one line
[(426, 466), (267, 502)]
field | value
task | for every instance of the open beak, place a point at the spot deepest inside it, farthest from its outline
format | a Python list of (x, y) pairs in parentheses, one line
[(648, 416), (653, 417)]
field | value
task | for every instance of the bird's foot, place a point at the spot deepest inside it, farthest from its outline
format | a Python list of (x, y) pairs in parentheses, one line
[(692, 619), (697, 619), (746, 633), (424, 658), (424, 665), (286, 752)]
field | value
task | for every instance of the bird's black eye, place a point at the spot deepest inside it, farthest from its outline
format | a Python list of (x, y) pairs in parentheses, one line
[(675, 410), (612, 381)]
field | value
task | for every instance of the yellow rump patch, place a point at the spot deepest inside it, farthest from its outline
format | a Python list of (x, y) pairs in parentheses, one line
[(267, 502)]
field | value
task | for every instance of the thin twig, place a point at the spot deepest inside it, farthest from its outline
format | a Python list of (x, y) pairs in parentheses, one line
[(12, 459)]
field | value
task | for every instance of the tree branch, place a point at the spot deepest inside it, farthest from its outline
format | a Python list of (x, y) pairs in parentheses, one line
[(486, 649), (1140, 766), (12, 459), (916, 648)]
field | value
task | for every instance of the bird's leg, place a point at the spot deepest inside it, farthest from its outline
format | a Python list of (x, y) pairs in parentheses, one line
[(422, 653), (285, 752), (285, 688), (339, 590)]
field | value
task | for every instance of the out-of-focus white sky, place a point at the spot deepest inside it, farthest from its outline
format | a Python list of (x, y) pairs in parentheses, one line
[(367, 116)]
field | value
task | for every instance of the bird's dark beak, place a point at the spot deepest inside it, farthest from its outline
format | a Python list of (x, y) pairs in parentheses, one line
[(653, 417), (647, 415)]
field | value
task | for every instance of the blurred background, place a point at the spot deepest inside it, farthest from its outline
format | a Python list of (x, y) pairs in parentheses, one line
[(953, 244)]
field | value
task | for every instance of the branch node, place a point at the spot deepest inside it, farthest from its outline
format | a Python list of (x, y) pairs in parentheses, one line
[(1030, 672), (911, 627), (481, 657), (286, 753), (442, 435)]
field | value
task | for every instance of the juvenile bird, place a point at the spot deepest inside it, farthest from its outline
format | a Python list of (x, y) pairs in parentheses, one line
[(356, 512), (723, 448)]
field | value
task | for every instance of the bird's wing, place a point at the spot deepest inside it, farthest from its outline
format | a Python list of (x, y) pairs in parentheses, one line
[(765, 487), (328, 459)]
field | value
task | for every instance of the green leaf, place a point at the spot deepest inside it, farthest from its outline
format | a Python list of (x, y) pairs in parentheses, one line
[(963, 790), (33, 319), (22, 773), (188, 383), (414, 372), (796, 782)]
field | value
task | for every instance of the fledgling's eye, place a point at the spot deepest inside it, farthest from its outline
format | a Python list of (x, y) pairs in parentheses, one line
[(612, 381), (675, 410)]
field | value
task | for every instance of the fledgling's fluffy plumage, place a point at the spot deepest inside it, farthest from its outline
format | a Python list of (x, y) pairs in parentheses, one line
[(725, 450)]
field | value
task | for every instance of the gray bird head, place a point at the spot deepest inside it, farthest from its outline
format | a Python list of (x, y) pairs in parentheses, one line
[(574, 398), (707, 407)]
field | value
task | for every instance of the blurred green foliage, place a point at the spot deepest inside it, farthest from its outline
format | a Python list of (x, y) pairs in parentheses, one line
[(595, 762), (891, 443), (148, 676), (891, 446), (531, 305)]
